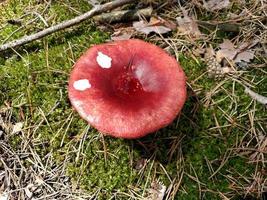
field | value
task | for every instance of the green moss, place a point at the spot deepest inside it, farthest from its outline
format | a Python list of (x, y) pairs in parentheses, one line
[(115, 173)]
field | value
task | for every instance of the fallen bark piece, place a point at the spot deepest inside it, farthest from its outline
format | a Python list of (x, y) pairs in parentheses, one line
[(261, 99), (124, 15)]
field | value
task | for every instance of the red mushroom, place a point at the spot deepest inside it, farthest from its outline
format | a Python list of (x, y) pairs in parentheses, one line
[(127, 88)]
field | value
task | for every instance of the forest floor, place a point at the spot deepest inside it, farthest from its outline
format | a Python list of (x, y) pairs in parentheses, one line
[(215, 149)]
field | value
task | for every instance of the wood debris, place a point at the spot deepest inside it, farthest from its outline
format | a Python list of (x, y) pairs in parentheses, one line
[(259, 98), (123, 15)]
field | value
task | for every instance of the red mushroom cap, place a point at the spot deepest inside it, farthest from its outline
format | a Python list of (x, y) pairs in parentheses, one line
[(127, 88)]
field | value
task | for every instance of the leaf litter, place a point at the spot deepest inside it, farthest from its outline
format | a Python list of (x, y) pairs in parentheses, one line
[(213, 5), (156, 24), (122, 34), (236, 54), (187, 25), (157, 191), (222, 61)]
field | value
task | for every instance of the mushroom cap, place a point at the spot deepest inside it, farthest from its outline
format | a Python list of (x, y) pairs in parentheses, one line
[(127, 89)]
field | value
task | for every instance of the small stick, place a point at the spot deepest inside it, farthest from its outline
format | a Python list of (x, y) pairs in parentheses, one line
[(123, 15), (227, 27), (65, 24), (261, 99)]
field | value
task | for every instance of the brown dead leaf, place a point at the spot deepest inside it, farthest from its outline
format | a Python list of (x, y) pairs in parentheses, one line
[(157, 191), (121, 35), (144, 27), (227, 44), (244, 56), (154, 21), (221, 62), (122, 32), (160, 21), (227, 51), (188, 25), (235, 54), (209, 53), (156, 24), (213, 5)]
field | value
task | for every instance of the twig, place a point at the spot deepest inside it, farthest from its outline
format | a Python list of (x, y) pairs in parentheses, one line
[(227, 27), (124, 15), (65, 24), (261, 99)]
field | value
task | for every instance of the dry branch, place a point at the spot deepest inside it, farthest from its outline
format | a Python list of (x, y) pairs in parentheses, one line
[(123, 15), (66, 24), (261, 99), (227, 27)]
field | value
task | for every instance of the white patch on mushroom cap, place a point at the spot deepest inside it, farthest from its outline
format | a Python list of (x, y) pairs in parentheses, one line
[(103, 60), (82, 84)]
